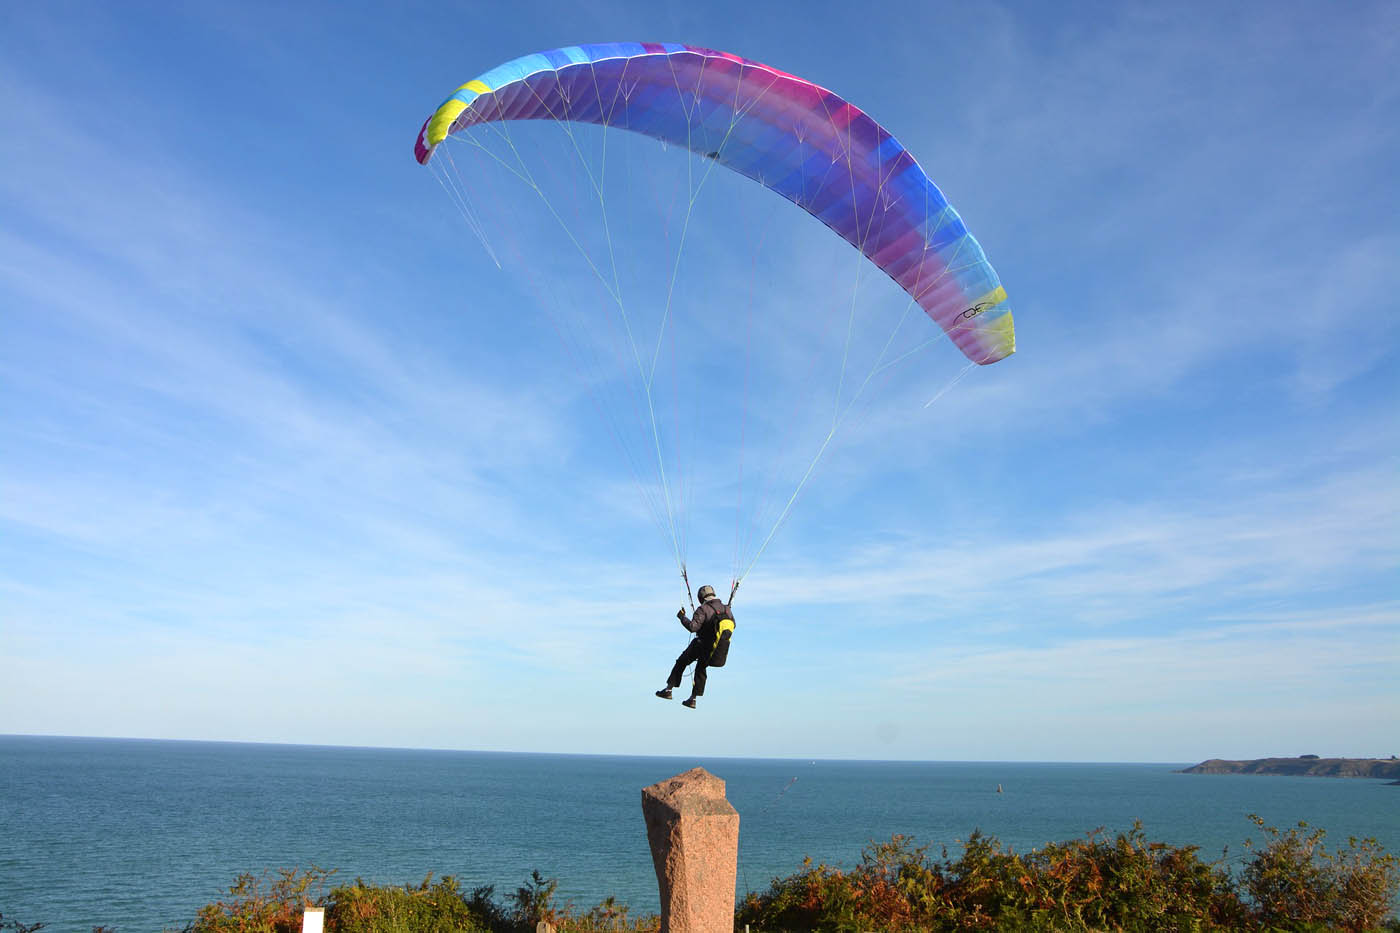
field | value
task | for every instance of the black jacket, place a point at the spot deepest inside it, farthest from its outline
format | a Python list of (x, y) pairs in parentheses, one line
[(705, 622)]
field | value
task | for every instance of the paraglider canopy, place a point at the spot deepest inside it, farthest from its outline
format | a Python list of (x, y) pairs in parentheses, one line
[(792, 136)]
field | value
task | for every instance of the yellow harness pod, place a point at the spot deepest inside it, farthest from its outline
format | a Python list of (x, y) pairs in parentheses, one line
[(719, 651), (725, 625)]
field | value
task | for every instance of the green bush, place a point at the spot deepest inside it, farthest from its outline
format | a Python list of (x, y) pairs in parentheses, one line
[(427, 908), (260, 905), (1088, 884), (1095, 883), (1295, 883), (264, 904)]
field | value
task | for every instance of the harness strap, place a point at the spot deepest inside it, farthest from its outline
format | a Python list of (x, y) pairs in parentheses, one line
[(686, 578)]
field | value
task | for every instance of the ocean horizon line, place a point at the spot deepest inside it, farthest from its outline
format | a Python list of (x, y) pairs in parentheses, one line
[(330, 746)]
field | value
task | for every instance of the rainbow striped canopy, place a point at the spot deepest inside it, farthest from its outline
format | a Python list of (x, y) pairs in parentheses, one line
[(792, 136)]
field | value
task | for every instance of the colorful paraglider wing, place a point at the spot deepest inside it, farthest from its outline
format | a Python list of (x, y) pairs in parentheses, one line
[(800, 140)]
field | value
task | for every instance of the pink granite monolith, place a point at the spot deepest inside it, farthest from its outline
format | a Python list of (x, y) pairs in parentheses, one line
[(694, 836)]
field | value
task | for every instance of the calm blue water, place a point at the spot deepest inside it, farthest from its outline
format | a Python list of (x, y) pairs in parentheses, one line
[(139, 834)]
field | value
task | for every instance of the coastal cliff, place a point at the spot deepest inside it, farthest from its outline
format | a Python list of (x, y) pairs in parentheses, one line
[(1306, 766)]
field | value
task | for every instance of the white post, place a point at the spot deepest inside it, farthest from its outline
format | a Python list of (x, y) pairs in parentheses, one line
[(313, 920)]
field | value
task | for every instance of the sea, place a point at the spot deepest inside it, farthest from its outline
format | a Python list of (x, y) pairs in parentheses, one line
[(137, 835)]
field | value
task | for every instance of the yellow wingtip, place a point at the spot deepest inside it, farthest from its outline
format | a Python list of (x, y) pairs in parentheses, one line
[(441, 123)]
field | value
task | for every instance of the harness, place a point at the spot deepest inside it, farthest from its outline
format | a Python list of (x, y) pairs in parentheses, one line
[(725, 627), (719, 647)]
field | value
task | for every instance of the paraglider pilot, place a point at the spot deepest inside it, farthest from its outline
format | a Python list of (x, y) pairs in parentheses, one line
[(712, 625)]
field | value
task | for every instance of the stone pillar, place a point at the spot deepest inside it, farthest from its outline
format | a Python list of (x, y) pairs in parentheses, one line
[(694, 836)]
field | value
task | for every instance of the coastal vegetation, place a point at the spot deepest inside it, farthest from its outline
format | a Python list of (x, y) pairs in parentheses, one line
[(274, 904), (1289, 880)]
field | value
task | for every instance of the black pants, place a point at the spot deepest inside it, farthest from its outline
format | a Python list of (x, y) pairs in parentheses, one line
[(696, 652)]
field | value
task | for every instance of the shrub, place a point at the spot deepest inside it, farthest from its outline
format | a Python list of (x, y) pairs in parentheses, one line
[(263, 905), (1294, 882), (427, 907), (534, 901), (1126, 884), (439, 907)]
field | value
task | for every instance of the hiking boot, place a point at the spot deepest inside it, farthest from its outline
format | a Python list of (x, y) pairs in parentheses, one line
[(664, 694), (690, 702)]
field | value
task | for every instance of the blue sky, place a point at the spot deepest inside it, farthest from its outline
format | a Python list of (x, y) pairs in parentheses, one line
[(284, 456)]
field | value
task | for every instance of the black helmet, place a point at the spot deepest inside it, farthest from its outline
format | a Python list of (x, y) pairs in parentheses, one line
[(705, 592)]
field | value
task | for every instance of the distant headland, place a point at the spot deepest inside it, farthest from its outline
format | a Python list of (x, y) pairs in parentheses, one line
[(1305, 766)]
